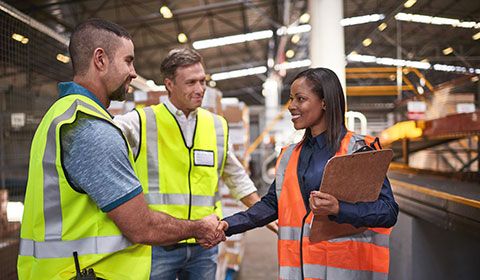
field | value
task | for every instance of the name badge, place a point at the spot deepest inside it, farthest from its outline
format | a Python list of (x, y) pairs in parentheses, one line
[(203, 158)]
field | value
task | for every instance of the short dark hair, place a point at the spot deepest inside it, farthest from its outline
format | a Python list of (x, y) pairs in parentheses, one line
[(89, 35), (325, 84), (178, 58)]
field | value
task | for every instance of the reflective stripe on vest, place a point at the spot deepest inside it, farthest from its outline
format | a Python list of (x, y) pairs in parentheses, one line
[(64, 248), (51, 201), (316, 271), (282, 168), (368, 236), (152, 152), (180, 199)]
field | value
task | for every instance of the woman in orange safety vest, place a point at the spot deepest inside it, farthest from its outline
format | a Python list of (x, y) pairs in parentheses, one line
[(317, 104)]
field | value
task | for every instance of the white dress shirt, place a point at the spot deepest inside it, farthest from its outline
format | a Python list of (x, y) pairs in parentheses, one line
[(234, 175)]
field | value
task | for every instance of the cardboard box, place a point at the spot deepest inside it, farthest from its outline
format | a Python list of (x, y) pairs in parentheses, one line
[(212, 101)]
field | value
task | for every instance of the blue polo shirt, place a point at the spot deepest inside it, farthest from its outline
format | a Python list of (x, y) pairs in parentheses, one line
[(311, 164), (95, 156)]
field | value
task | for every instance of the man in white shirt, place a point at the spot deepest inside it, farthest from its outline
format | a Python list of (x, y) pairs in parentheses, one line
[(181, 153)]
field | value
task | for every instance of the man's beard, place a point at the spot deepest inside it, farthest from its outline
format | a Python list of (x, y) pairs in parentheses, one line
[(120, 93)]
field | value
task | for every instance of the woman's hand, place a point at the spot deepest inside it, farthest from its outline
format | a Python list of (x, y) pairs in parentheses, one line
[(323, 204)]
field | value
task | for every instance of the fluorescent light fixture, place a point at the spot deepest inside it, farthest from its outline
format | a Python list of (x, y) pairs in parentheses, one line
[(436, 20), (63, 58), (154, 87), (409, 3), (410, 63), (293, 64), (235, 39), (290, 53), (361, 19), (166, 12), (382, 26), (182, 38), (476, 36), (447, 51), (239, 73), (388, 61), (367, 42), (304, 18), (294, 29)]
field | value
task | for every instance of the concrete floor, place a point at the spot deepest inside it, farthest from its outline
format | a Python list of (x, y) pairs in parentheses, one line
[(260, 258)]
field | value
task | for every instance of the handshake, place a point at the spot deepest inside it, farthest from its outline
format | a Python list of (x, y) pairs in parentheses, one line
[(210, 231)]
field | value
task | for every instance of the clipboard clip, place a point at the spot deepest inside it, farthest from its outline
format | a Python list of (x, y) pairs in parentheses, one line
[(361, 146)]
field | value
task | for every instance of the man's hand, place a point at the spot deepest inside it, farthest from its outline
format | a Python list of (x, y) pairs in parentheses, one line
[(323, 204), (208, 234)]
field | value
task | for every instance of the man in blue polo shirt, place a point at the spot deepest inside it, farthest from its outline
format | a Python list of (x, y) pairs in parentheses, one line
[(82, 194)]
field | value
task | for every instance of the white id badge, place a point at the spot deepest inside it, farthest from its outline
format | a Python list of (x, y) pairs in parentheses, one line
[(203, 158)]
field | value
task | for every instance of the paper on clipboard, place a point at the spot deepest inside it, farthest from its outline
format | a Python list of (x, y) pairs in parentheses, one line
[(351, 178)]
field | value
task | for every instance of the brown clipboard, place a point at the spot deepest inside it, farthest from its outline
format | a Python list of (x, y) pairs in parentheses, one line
[(351, 178)]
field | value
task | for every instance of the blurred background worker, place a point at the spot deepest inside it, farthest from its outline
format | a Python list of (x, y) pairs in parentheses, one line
[(181, 154)]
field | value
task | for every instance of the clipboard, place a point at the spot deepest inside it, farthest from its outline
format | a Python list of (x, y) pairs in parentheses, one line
[(351, 178)]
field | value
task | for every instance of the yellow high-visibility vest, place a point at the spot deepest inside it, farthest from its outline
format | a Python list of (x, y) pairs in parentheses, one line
[(179, 180), (58, 220)]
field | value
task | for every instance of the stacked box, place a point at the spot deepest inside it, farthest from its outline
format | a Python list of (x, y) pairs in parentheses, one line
[(143, 99), (237, 116), (444, 103), (212, 101), (231, 251)]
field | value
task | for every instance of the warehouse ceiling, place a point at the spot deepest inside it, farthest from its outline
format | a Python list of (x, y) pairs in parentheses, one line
[(154, 34)]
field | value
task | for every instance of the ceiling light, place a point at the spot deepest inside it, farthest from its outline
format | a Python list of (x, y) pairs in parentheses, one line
[(295, 38), (293, 64), (474, 79), (382, 26), (270, 62), (367, 42), (235, 39), (436, 20), (420, 90), (424, 60), (304, 18), (63, 58), (447, 51), (411, 63), (409, 3), (166, 12), (290, 53), (239, 73), (20, 38), (182, 38), (361, 19), (212, 83), (476, 36), (294, 29)]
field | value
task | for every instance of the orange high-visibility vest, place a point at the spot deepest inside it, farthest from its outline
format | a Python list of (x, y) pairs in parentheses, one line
[(360, 256)]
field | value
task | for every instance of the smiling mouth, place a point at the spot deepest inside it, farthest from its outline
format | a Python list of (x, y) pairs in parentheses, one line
[(294, 117)]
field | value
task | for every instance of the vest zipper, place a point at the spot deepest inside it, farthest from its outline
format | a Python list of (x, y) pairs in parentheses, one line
[(189, 182)]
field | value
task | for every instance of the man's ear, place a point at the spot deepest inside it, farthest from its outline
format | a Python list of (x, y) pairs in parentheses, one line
[(168, 84), (100, 59)]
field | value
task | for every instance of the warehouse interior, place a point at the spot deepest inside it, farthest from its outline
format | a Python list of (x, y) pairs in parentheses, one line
[(411, 72)]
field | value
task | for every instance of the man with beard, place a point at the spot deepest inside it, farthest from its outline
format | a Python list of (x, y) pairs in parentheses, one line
[(83, 194)]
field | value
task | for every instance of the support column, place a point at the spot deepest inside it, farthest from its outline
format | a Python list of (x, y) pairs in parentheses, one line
[(327, 45)]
